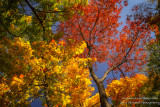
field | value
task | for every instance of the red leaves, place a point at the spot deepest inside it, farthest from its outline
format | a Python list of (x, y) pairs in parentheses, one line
[(97, 26), (125, 2)]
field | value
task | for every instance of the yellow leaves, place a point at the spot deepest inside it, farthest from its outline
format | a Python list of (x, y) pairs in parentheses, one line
[(65, 99), (3, 88), (17, 46), (55, 9), (57, 69), (126, 87), (28, 19), (88, 81), (93, 101), (12, 26), (79, 49), (56, 64), (17, 81)]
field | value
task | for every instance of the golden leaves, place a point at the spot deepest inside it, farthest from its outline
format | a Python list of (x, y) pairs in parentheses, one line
[(51, 65), (121, 90)]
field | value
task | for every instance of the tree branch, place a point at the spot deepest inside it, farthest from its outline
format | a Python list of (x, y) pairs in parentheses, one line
[(113, 75), (40, 21), (94, 26), (50, 11), (121, 72), (112, 68), (94, 76), (123, 61), (46, 92)]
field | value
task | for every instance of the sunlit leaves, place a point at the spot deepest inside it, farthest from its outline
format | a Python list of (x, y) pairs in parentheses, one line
[(41, 66), (126, 88)]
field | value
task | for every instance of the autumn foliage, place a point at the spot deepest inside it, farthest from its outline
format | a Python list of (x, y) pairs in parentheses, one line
[(43, 69), (97, 26), (49, 50)]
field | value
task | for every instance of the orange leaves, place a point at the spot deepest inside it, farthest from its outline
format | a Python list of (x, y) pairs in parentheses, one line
[(52, 41), (28, 19), (155, 29), (62, 42), (137, 53), (21, 76), (58, 65)]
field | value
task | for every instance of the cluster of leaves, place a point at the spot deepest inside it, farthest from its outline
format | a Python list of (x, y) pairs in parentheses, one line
[(125, 89), (50, 71)]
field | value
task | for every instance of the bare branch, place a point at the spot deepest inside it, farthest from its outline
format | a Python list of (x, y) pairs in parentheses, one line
[(113, 74), (112, 68), (121, 72), (46, 92)]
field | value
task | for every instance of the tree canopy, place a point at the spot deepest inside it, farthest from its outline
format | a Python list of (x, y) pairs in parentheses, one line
[(49, 49)]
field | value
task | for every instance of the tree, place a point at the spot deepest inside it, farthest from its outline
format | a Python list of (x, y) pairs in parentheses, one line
[(97, 26), (49, 71), (152, 87), (29, 68), (35, 19)]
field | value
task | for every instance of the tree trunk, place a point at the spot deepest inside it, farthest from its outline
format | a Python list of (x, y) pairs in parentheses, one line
[(102, 95), (101, 89)]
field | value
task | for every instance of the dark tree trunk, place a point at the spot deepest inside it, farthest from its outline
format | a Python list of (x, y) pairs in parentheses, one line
[(101, 89), (102, 95)]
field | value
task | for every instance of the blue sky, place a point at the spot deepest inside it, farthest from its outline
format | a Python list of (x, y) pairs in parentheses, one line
[(102, 67)]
